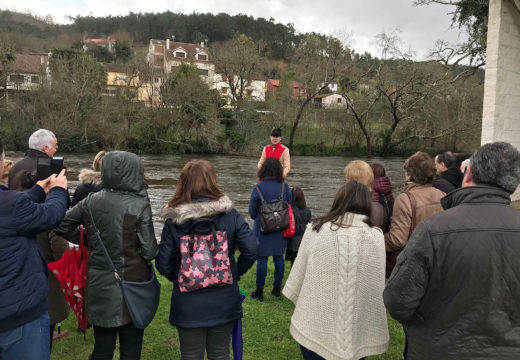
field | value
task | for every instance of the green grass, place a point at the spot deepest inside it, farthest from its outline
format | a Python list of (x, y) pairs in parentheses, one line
[(266, 329)]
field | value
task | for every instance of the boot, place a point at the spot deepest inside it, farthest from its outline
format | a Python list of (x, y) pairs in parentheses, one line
[(276, 290), (258, 294)]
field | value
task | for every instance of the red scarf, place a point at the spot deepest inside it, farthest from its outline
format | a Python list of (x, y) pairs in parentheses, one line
[(277, 153)]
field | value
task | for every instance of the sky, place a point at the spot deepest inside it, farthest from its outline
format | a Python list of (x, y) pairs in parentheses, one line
[(357, 21)]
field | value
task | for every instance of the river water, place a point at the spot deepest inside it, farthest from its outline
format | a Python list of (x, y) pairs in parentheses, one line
[(319, 177)]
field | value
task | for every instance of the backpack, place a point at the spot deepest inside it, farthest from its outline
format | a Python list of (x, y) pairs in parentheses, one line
[(274, 215), (204, 258), (389, 208)]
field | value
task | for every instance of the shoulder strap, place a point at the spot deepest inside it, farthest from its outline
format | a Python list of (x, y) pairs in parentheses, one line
[(259, 193), (414, 207), (283, 188), (98, 237)]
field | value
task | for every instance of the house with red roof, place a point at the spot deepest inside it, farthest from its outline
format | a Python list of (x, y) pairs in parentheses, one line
[(297, 88)]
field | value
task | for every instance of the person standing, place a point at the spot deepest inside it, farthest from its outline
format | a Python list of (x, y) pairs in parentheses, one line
[(418, 200), (456, 287), (278, 151), (204, 317), (122, 214), (302, 216), (337, 280), (42, 144), (24, 321), (449, 176), (271, 244), (89, 179)]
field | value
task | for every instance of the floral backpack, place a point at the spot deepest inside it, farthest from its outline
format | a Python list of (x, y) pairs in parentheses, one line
[(204, 258)]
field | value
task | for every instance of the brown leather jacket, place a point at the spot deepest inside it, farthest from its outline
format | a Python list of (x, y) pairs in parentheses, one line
[(427, 202)]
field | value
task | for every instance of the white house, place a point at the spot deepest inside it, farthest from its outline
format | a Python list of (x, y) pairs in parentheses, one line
[(27, 72)]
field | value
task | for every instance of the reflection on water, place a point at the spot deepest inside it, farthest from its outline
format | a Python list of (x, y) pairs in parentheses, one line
[(319, 177)]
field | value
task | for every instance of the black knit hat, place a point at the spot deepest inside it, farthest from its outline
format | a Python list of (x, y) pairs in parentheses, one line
[(276, 132)]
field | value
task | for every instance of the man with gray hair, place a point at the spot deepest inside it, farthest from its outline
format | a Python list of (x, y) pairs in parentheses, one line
[(456, 286), (42, 144)]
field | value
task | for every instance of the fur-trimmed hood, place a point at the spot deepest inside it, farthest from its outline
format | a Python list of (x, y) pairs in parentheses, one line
[(182, 213), (90, 176)]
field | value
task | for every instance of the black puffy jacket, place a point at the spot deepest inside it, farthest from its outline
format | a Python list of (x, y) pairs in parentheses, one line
[(456, 286)]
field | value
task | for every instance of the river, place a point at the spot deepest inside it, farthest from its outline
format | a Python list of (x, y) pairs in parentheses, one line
[(319, 177)]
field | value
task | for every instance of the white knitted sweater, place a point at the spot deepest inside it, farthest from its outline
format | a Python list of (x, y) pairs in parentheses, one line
[(337, 284)]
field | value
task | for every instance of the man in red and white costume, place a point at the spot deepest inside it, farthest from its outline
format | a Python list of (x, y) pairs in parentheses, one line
[(277, 150)]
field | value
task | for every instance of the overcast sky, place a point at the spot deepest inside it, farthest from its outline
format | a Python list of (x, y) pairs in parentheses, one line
[(420, 26)]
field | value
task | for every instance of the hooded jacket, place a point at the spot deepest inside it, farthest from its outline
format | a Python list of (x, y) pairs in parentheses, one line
[(382, 185), (210, 306), (23, 272), (456, 287), (122, 214)]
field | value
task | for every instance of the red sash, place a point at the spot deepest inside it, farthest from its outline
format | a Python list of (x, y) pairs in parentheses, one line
[(277, 153)]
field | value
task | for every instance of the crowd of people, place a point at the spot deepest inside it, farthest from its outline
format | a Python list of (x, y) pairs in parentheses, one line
[(441, 257)]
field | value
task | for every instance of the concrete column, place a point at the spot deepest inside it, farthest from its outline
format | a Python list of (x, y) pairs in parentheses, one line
[(501, 111)]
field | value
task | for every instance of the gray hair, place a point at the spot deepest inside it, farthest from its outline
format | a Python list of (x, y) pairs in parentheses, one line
[(40, 138), (464, 165), (496, 164)]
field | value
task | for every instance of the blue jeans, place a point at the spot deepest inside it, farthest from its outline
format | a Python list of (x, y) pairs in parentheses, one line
[(28, 342), (261, 270)]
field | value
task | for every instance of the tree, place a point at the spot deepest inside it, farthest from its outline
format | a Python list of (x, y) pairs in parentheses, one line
[(100, 53), (238, 62), (78, 81), (472, 16), (193, 107), (317, 61), (123, 52), (7, 56)]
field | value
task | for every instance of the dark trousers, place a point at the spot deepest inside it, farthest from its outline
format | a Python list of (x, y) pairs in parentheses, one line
[(311, 355), (130, 342), (261, 270), (213, 340)]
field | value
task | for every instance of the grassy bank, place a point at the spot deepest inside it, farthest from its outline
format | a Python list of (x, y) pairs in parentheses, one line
[(266, 330)]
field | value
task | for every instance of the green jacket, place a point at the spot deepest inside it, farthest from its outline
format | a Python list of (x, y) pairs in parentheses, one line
[(122, 214)]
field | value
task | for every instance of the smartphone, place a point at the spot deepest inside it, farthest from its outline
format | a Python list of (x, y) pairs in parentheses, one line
[(45, 167)]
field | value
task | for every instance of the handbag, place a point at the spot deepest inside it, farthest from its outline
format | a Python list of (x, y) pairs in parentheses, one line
[(291, 229), (141, 298), (204, 258), (274, 215)]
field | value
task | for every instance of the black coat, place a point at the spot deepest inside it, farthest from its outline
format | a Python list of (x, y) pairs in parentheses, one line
[(456, 286), (301, 219), (449, 180), (211, 306)]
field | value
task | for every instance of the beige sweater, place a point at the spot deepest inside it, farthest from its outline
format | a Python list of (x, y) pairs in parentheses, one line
[(337, 283)]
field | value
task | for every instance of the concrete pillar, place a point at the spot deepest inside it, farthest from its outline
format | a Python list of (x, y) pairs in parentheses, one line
[(501, 111)]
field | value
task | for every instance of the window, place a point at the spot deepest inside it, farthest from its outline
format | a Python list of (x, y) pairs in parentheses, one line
[(249, 92), (35, 79), (204, 72), (180, 54), (203, 57), (121, 77), (17, 78), (156, 80), (339, 100), (224, 90), (110, 92)]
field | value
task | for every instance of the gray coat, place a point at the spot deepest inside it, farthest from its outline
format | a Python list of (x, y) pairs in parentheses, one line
[(456, 286)]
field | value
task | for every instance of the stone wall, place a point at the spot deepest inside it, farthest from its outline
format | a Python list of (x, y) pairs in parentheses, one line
[(501, 111)]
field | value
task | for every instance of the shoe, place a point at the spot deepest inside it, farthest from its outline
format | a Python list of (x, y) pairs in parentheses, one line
[(258, 294), (276, 291)]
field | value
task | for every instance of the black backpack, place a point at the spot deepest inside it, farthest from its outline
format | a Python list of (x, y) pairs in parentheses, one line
[(274, 215), (389, 208)]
